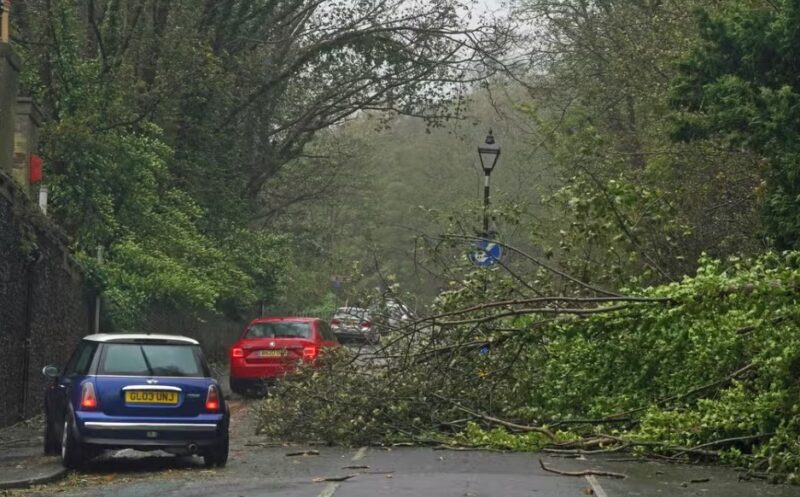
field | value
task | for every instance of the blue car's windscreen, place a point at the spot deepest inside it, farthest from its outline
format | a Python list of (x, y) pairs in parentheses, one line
[(131, 359)]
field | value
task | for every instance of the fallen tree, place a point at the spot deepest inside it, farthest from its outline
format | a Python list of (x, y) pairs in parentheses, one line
[(685, 371)]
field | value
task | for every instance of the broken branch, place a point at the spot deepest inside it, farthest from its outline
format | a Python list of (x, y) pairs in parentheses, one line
[(502, 422)]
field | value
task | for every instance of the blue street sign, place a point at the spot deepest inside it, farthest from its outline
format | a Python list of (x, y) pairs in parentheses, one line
[(485, 253)]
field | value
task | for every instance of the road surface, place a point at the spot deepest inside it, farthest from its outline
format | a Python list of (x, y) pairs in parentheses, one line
[(258, 467)]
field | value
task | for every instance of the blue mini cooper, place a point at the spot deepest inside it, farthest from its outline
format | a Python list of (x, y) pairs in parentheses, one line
[(146, 392)]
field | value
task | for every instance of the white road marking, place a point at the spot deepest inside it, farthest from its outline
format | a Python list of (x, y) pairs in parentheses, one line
[(360, 454), (331, 488), (598, 490)]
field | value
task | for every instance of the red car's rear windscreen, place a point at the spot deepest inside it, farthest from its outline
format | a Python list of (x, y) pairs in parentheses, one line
[(279, 330)]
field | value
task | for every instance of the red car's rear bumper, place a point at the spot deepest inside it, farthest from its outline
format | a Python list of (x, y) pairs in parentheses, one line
[(241, 369)]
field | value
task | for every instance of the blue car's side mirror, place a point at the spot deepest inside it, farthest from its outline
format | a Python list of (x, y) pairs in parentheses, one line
[(50, 371)]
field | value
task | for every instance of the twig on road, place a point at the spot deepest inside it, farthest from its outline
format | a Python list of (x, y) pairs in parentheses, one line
[(585, 472), (303, 453), (320, 479), (460, 448)]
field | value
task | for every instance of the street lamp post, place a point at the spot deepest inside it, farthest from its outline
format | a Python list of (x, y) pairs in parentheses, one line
[(488, 152)]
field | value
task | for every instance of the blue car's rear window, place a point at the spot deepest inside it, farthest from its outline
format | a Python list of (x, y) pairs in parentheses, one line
[(133, 359)]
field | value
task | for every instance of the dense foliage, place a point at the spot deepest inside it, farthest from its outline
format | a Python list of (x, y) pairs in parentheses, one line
[(740, 85)]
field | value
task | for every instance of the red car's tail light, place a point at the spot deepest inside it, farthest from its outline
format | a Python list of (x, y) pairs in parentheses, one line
[(365, 324), (212, 399), (237, 352), (88, 397), (310, 352)]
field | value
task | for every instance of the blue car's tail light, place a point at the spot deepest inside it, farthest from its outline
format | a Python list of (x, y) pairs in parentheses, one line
[(212, 398), (88, 397)]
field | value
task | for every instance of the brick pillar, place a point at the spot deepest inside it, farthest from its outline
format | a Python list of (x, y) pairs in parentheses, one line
[(9, 72), (26, 139)]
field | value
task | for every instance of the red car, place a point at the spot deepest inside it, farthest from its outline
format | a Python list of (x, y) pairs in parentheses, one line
[(270, 348)]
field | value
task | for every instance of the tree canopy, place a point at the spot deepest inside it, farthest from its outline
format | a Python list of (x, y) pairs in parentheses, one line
[(740, 85), (166, 121)]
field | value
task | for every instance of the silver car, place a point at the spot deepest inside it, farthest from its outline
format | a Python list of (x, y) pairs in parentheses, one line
[(354, 324)]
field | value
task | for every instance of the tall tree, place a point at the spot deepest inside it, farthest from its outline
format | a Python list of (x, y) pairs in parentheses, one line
[(740, 85), (242, 86), (635, 203)]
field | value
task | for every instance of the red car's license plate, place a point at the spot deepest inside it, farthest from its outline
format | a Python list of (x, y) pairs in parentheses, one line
[(271, 353)]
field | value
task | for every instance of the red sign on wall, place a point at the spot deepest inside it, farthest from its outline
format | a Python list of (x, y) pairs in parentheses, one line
[(35, 167)]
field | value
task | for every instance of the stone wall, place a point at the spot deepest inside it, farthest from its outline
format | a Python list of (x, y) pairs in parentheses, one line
[(44, 308), (9, 71)]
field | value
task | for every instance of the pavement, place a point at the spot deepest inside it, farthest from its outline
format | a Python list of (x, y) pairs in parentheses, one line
[(22, 461)]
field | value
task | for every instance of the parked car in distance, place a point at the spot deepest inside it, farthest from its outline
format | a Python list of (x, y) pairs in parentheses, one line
[(270, 348), (140, 391), (354, 324), (390, 315)]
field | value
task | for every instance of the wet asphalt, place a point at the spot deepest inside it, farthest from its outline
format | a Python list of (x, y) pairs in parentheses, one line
[(258, 467)]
